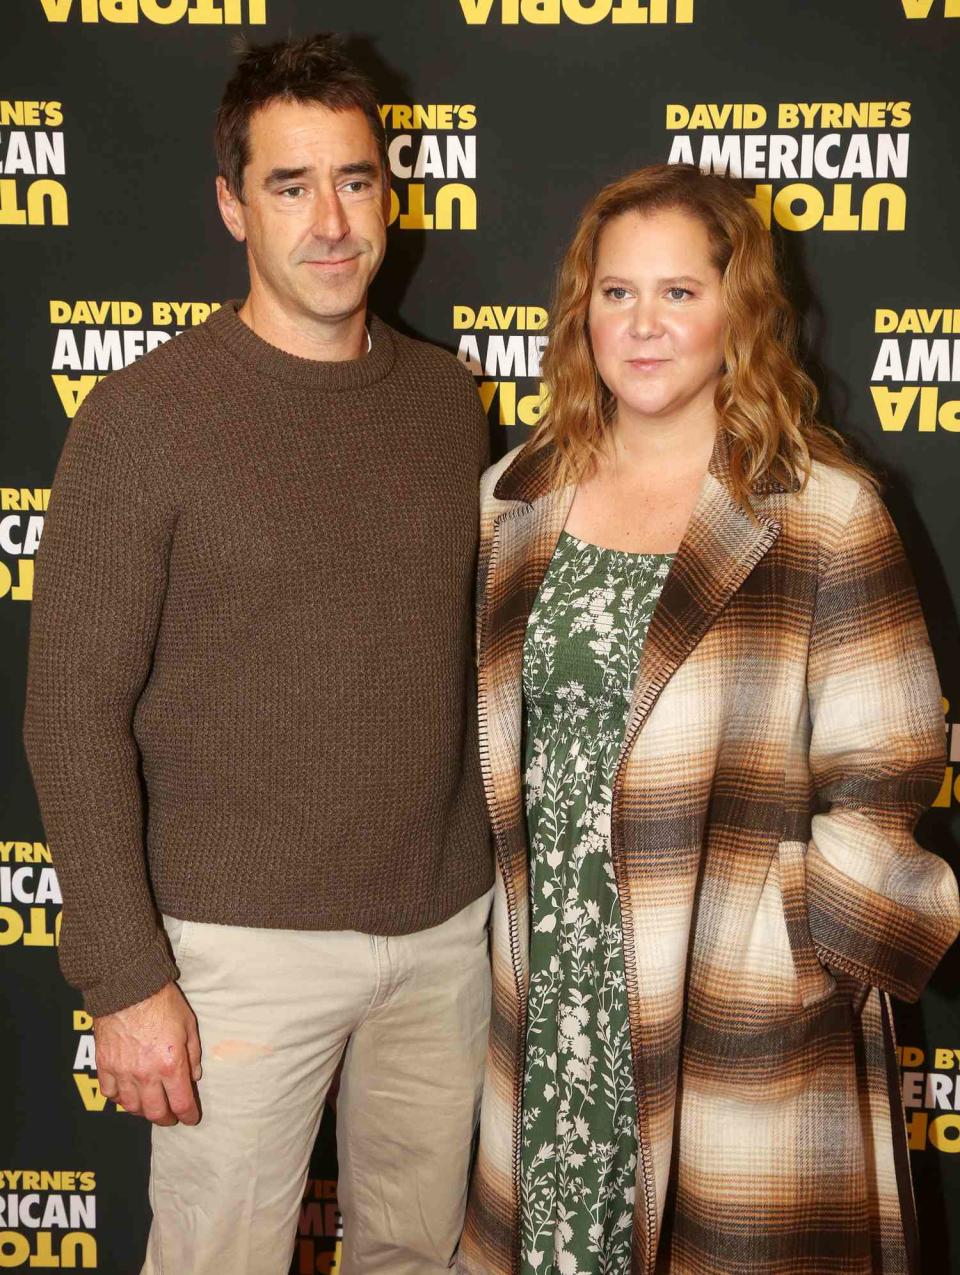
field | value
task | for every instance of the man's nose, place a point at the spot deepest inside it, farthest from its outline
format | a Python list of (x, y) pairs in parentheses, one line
[(330, 221)]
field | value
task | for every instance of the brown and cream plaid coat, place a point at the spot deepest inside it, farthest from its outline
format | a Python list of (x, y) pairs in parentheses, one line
[(786, 731)]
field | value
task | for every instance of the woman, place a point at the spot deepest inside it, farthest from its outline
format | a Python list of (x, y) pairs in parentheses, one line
[(710, 718)]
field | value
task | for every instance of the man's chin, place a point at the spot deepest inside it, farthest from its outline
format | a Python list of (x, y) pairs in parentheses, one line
[(334, 305)]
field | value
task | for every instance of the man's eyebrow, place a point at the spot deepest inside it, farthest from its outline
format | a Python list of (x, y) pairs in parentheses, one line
[(278, 175), (359, 168)]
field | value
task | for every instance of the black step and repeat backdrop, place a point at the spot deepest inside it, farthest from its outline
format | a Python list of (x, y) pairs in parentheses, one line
[(504, 117)]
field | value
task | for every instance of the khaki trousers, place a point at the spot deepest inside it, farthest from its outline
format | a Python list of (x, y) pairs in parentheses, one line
[(277, 1011)]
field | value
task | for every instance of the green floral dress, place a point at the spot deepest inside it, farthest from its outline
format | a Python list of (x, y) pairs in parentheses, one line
[(579, 1144)]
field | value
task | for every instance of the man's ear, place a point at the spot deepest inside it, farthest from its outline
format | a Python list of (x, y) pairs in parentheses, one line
[(231, 210)]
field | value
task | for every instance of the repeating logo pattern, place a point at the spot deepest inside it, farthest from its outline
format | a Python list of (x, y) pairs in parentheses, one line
[(846, 154)]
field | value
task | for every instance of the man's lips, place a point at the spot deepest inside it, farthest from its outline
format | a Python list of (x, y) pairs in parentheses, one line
[(332, 261)]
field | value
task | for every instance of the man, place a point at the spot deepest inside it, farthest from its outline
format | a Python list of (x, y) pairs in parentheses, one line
[(250, 719)]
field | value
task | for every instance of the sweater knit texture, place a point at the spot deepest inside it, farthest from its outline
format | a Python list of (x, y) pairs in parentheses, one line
[(250, 696)]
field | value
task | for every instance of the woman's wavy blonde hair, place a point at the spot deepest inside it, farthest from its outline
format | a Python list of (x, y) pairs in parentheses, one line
[(766, 404)]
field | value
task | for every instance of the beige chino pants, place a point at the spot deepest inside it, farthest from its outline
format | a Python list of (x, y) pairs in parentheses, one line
[(277, 1010)]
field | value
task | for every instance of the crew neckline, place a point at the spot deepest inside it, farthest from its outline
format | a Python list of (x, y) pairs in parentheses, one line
[(227, 328)]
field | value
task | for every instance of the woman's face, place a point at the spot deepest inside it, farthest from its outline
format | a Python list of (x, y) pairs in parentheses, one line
[(656, 314)]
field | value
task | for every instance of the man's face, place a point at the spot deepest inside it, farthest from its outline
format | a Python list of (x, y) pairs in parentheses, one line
[(314, 210)]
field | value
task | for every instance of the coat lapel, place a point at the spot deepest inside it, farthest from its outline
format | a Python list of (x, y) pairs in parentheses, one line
[(722, 545), (523, 542)]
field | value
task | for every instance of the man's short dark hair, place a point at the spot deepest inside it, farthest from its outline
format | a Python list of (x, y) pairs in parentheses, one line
[(314, 69)]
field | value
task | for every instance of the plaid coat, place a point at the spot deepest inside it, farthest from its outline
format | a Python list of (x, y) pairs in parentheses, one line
[(785, 732)]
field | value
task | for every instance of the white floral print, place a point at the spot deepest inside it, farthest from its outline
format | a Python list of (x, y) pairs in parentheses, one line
[(578, 1154)]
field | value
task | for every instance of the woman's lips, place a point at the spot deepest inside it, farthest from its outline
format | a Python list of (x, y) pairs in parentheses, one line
[(647, 365)]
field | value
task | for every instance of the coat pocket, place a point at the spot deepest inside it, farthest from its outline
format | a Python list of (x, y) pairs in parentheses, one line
[(770, 1167), (814, 982)]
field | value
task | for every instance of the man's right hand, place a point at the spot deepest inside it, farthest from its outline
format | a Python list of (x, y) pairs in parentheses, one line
[(148, 1057)]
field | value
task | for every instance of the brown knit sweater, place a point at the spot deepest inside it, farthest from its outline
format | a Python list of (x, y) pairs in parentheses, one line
[(250, 695)]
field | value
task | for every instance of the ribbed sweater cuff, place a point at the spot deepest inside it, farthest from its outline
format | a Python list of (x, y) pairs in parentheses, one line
[(120, 988)]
